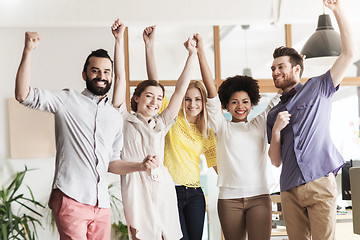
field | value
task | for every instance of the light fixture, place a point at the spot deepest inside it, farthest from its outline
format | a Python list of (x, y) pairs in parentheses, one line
[(325, 42), (246, 70)]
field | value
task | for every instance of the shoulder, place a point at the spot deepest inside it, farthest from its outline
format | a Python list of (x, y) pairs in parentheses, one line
[(213, 101), (317, 80), (68, 92)]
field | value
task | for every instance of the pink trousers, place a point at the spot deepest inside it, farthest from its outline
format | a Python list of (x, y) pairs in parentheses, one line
[(78, 221)]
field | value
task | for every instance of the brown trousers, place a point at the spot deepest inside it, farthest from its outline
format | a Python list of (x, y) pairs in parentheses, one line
[(246, 216)]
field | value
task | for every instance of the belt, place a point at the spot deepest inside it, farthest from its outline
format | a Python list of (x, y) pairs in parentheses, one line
[(187, 187)]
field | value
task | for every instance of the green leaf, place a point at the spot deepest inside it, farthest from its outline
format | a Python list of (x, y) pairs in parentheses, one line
[(36, 203), (18, 226), (29, 208), (4, 232)]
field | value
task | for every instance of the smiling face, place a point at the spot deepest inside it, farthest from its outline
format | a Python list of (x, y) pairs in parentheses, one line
[(239, 106), (193, 104), (284, 75), (98, 75), (149, 101)]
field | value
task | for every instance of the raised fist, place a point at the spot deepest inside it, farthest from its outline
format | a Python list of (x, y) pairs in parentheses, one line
[(118, 28), (31, 40)]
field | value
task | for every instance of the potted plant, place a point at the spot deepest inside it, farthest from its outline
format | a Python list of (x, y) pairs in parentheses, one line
[(18, 225)]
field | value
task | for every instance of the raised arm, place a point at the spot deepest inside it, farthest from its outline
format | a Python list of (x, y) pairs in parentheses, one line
[(183, 82), (22, 83), (347, 56), (149, 40), (117, 30), (282, 120), (204, 67)]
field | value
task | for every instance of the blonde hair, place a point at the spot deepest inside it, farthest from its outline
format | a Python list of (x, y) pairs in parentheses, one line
[(202, 121)]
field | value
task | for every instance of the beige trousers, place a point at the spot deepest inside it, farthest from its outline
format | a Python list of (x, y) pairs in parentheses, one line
[(310, 210)]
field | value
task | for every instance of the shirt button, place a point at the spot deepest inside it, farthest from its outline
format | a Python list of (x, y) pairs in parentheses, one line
[(155, 176)]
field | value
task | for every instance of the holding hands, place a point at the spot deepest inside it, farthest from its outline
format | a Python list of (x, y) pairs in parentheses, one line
[(199, 42), (31, 40), (150, 162), (190, 45)]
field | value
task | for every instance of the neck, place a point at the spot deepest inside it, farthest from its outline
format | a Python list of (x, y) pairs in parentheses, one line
[(192, 119), (146, 118), (290, 87), (101, 97), (236, 120)]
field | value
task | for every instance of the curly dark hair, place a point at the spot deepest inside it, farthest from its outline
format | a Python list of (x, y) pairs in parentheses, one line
[(141, 88), (236, 84)]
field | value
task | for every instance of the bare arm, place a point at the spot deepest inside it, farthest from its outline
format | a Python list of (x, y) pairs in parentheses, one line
[(275, 149), (22, 83), (204, 68), (347, 56), (117, 30), (282, 120), (124, 167), (149, 40), (183, 82)]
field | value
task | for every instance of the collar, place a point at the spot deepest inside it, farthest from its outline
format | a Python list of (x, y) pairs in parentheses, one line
[(138, 118), (93, 97), (288, 95)]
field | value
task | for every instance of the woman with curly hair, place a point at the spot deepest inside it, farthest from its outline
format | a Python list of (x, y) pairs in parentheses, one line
[(244, 174)]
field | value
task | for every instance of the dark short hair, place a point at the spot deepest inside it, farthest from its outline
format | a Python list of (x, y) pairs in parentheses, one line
[(140, 88), (101, 53), (236, 84), (295, 57)]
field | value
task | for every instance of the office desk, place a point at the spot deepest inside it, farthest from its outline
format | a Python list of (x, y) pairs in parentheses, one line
[(344, 227)]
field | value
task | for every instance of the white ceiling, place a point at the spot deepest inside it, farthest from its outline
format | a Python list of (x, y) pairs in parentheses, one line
[(178, 19), (209, 12)]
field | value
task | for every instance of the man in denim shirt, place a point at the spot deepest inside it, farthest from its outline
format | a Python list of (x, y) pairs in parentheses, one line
[(298, 133)]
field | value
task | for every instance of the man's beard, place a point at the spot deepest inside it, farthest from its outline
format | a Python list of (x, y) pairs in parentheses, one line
[(288, 81), (96, 90)]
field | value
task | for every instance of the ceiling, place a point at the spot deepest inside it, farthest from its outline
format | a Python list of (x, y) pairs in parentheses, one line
[(134, 12), (178, 19)]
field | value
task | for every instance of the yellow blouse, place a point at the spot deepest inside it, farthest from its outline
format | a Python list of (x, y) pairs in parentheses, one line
[(183, 146)]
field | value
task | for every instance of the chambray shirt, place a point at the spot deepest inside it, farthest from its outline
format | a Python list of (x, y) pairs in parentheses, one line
[(307, 150), (88, 137)]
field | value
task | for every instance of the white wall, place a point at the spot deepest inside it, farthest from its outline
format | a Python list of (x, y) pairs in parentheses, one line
[(57, 63)]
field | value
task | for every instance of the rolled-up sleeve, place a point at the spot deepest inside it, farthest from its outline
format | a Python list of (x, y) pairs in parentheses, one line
[(45, 100), (118, 144)]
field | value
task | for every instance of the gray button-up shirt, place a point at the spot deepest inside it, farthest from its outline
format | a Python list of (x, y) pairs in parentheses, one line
[(307, 150), (88, 136)]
